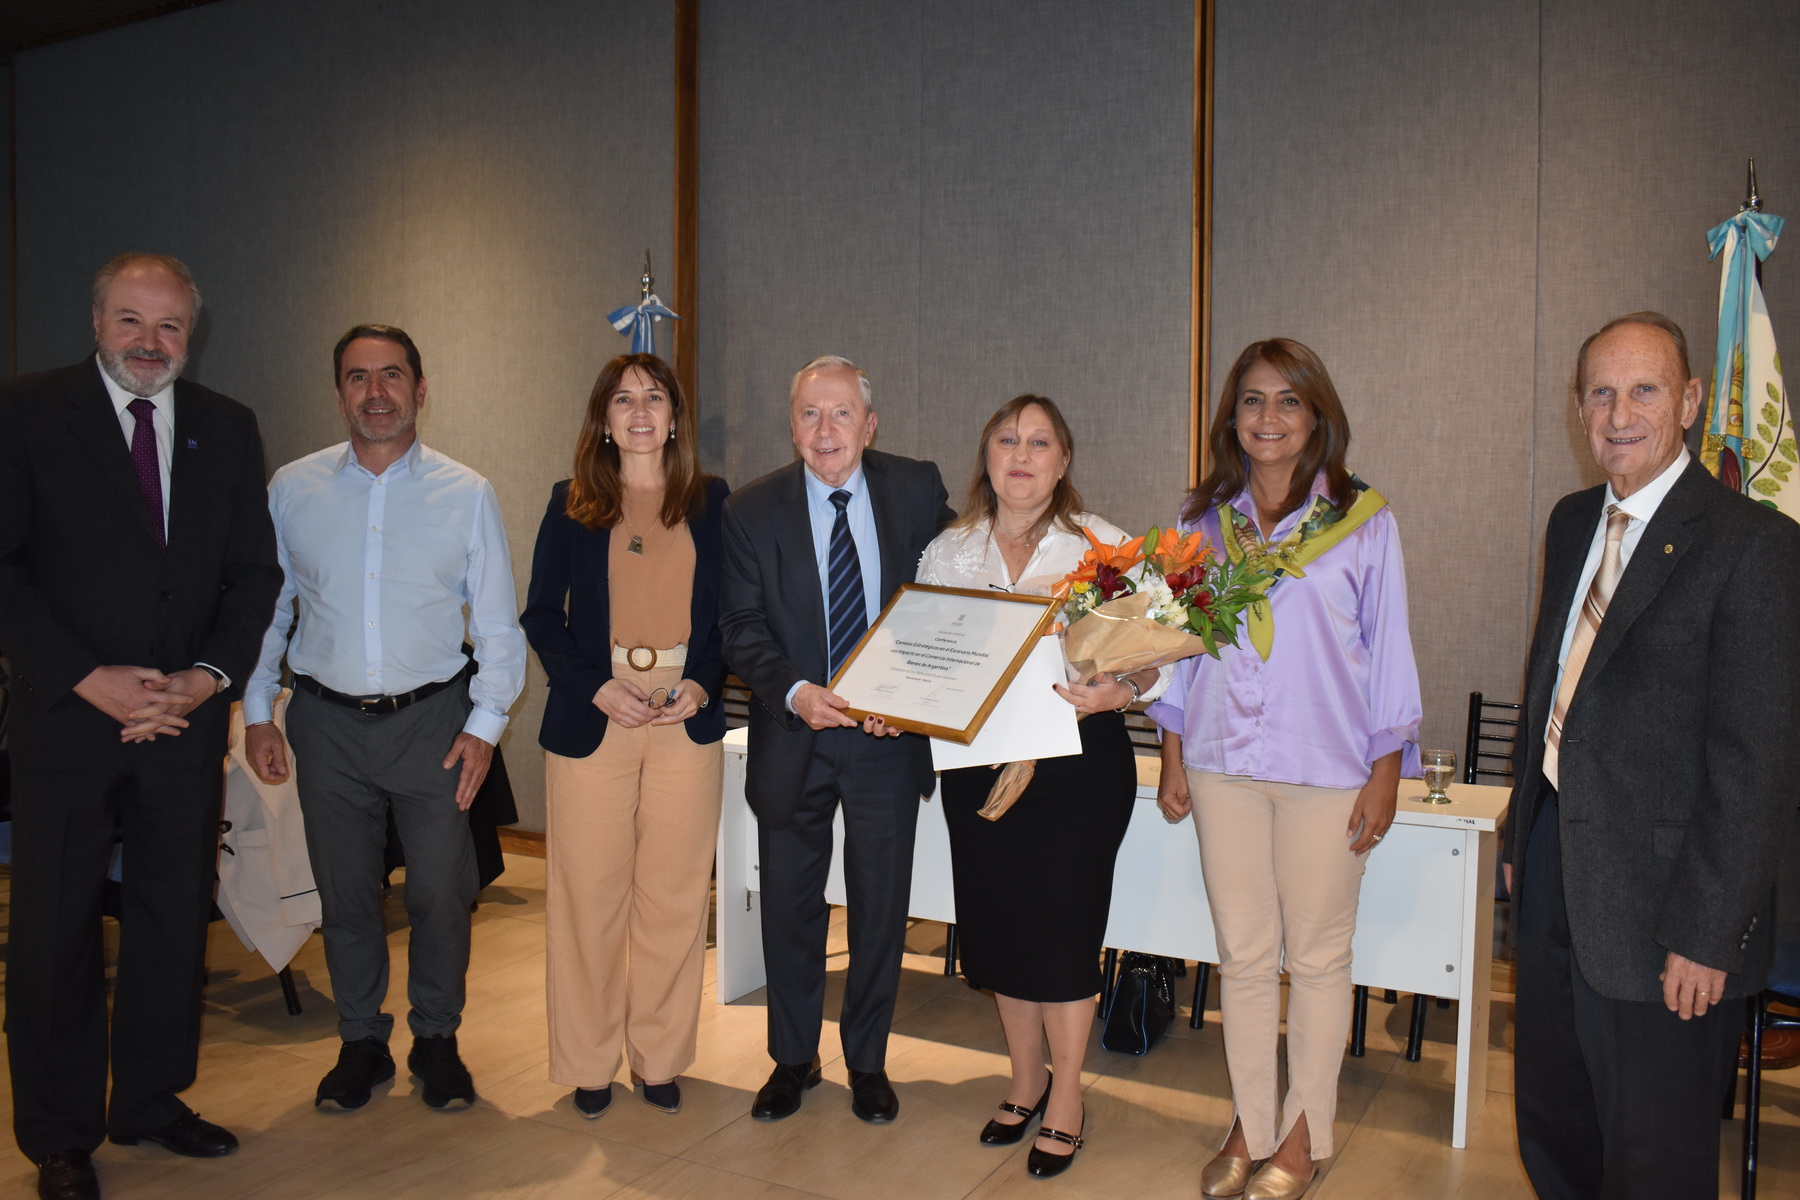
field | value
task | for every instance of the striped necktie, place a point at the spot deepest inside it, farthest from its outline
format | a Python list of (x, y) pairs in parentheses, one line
[(144, 464), (846, 611), (1593, 611)]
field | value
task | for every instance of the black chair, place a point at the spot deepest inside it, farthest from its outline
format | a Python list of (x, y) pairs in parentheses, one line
[(1783, 986), (1493, 728)]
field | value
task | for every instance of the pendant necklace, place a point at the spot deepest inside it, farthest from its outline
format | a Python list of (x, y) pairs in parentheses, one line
[(636, 544)]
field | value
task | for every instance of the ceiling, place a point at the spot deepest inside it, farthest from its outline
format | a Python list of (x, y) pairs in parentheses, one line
[(28, 23)]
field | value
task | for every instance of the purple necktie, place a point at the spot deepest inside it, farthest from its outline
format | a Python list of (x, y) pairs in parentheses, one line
[(143, 458)]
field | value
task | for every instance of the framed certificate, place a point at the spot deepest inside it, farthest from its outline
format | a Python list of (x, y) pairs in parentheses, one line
[(937, 659)]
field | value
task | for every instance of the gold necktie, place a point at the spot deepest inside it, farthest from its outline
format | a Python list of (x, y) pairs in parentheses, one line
[(1593, 611)]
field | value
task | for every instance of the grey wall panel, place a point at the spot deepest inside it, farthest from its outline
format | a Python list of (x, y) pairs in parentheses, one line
[(488, 178), (1649, 112), (809, 215), (1375, 175), (971, 201), (1055, 243)]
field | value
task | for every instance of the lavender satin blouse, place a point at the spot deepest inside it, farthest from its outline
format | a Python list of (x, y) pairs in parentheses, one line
[(1340, 689)]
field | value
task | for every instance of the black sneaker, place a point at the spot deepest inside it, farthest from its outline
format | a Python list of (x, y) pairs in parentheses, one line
[(440, 1071), (360, 1066)]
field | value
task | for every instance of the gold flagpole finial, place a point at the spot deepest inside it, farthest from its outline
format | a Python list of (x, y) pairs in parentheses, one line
[(647, 283)]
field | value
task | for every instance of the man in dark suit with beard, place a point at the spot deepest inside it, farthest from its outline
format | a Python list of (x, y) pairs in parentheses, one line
[(137, 573), (1658, 751), (812, 553)]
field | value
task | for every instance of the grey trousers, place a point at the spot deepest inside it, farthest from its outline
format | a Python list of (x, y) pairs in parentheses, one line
[(350, 769)]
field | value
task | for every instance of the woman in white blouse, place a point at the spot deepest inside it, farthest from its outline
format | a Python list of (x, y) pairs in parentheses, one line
[(1033, 888)]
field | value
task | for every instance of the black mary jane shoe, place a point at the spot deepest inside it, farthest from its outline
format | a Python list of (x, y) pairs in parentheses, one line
[(1044, 1164), (995, 1133)]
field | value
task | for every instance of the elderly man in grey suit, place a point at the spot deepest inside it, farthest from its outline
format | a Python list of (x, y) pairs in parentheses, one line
[(1654, 778), (812, 552)]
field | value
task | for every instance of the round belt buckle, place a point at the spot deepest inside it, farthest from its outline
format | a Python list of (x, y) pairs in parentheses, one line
[(631, 658)]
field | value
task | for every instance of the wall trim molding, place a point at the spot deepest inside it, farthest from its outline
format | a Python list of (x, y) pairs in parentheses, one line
[(1200, 288), (687, 194)]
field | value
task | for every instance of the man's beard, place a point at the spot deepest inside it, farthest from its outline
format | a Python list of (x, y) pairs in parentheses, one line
[(399, 430), (120, 368)]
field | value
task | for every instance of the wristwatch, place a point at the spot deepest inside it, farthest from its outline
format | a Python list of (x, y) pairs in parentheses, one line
[(220, 682)]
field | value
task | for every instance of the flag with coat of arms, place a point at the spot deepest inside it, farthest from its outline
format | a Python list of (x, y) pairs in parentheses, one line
[(1749, 443)]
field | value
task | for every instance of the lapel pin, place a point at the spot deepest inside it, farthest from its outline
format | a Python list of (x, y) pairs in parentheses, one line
[(1669, 549), (193, 443)]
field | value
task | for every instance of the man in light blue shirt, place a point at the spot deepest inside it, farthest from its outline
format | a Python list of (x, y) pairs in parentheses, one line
[(384, 543)]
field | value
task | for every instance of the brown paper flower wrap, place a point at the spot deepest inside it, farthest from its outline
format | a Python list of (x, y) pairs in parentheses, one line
[(1146, 603)]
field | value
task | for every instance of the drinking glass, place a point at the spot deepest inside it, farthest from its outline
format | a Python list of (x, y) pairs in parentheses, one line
[(1440, 771)]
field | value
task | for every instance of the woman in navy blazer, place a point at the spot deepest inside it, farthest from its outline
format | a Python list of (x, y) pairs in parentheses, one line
[(623, 613)]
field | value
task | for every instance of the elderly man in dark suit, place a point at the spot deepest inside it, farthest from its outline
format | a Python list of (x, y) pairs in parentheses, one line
[(812, 553), (1655, 769), (137, 573)]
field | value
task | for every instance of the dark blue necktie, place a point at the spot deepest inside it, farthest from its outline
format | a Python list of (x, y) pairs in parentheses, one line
[(846, 611)]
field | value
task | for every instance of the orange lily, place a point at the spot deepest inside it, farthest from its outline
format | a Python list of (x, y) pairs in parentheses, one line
[(1120, 558), (1175, 552)]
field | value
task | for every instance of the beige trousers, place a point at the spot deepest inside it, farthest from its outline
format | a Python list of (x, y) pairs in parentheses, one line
[(1280, 879), (629, 838)]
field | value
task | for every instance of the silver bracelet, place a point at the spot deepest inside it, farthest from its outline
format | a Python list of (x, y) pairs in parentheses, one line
[(1136, 692)]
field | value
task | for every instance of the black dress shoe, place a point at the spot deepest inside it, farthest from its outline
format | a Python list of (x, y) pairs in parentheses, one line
[(592, 1103), (994, 1133), (872, 1097), (360, 1066), (1044, 1164), (187, 1134), (780, 1097), (442, 1076), (666, 1096), (68, 1176)]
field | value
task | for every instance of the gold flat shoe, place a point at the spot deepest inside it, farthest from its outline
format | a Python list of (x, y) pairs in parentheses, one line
[(1225, 1175), (1279, 1183)]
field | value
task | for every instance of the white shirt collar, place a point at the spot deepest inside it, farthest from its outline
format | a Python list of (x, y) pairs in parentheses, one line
[(406, 464), (1642, 504), (121, 399)]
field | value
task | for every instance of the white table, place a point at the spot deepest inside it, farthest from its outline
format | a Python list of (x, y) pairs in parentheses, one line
[(1424, 924)]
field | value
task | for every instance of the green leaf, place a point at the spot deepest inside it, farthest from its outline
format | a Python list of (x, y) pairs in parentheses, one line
[(1775, 395), (1206, 639), (1771, 504), (1765, 433), (1754, 452), (1789, 450), (1779, 469), (1770, 412), (1767, 487)]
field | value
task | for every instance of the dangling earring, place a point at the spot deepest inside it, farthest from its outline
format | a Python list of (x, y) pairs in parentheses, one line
[(671, 433), (606, 436)]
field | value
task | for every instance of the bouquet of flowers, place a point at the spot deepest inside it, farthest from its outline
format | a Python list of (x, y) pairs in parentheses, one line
[(1148, 602), (1154, 600)]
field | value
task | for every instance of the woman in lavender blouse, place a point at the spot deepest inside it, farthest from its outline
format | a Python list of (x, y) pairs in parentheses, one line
[(1290, 761)]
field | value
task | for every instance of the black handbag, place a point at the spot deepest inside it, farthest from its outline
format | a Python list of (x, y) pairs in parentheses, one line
[(1143, 1003)]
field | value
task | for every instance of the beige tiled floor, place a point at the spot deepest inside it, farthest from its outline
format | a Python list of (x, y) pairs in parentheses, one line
[(1152, 1121)]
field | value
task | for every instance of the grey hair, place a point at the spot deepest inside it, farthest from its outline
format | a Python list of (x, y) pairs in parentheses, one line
[(137, 258), (828, 362)]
